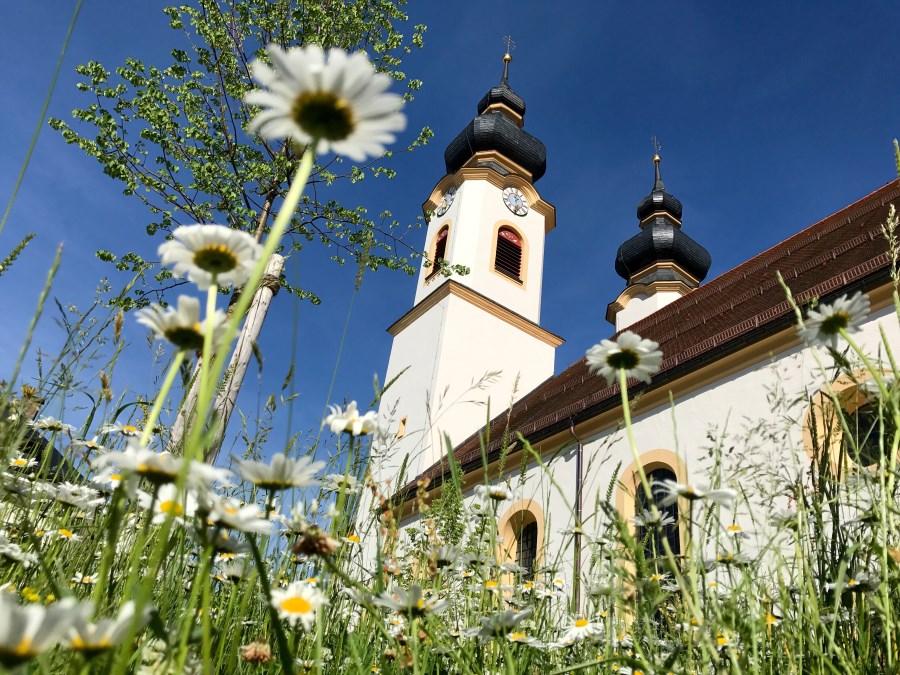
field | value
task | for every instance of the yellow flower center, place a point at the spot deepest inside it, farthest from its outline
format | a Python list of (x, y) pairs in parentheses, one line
[(296, 605), (581, 623), (771, 619), (128, 429), (115, 476), (171, 508), (321, 114), (19, 461), (516, 637), (721, 640), (23, 648), (735, 528), (68, 534), (490, 583), (353, 538), (215, 259)]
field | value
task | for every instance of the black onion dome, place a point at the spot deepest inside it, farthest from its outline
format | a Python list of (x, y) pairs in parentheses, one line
[(659, 199), (661, 238), (495, 131), (502, 94), (662, 241)]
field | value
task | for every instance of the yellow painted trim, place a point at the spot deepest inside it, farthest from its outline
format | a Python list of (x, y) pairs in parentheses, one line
[(822, 419), (450, 287), (432, 251), (665, 214), (649, 290), (506, 528), (664, 264), (506, 110), (629, 482), (522, 281)]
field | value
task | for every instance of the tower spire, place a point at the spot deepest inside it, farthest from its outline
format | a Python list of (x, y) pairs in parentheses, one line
[(658, 185), (507, 57)]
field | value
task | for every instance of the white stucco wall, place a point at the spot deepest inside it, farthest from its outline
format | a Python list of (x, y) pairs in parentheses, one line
[(734, 413), (449, 350), (642, 306)]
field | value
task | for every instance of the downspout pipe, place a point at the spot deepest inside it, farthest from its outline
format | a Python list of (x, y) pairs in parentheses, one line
[(579, 479)]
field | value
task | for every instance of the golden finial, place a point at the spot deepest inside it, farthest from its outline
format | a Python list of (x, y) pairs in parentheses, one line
[(507, 57), (656, 148)]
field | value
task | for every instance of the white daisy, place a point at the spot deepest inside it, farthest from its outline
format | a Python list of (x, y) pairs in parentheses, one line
[(670, 491), (338, 482), (495, 493), (639, 358), (79, 496), (283, 472), (335, 100), (124, 429), (203, 251), (26, 631), (182, 326), (86, 579), (19, 461), (823, 326), (157, 467), (411, 603), (169, 503), (349, 420), (229, 513), (93, 638), (653, 520), (581, 629), (298, 602), (51, 424)]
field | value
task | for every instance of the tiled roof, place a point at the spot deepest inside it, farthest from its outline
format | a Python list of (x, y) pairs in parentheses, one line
[(841, 253)]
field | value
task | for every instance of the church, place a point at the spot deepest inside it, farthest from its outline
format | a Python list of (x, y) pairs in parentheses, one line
[(472, 369)]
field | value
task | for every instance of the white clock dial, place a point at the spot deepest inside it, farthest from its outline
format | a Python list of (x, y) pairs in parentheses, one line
[(446, 201), (515, 201)]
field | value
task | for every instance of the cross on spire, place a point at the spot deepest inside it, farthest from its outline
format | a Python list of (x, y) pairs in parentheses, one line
[(507, 57)]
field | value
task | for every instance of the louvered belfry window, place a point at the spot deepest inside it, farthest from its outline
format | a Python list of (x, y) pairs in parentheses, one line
[(440, 251), (509, 254)]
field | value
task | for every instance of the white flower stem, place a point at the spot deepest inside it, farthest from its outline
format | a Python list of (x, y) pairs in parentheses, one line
[(174, 369), (209, 379)]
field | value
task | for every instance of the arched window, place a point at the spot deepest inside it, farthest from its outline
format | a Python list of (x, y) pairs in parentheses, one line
[(652, 537), (508, 259), (526, 546), (440, 251), (846, 437)]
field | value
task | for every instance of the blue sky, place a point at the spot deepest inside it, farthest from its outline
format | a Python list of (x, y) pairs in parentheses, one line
[(771, 116)]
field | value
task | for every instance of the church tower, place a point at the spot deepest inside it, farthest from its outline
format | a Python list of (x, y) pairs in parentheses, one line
[(661, 263), (472, 343)]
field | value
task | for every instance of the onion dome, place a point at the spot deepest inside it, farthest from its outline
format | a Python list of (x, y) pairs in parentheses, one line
[(659, 200), (498, 128), (660, 242)]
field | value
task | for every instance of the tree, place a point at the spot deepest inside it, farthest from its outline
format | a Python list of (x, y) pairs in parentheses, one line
[(175, 135)]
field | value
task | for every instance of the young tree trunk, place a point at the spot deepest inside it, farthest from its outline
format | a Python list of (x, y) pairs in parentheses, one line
[(237, 366), (243, 352)]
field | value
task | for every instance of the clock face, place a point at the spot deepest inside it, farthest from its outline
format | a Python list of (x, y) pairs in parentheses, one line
[(446, 201), (515, 201)]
